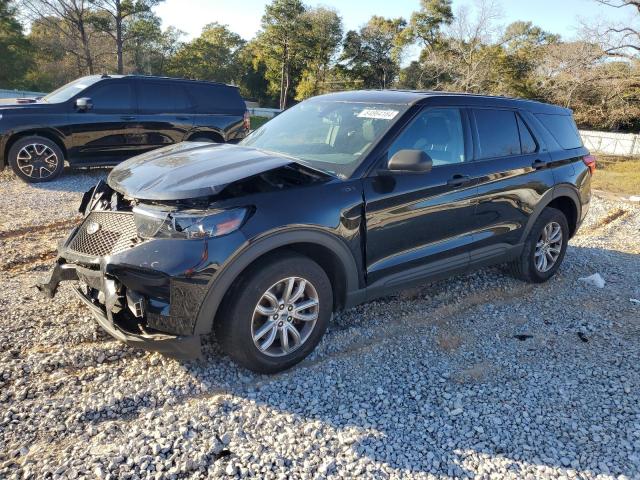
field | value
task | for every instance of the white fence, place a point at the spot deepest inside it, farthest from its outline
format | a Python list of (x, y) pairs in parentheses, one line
[(264, 112), (625, 144)]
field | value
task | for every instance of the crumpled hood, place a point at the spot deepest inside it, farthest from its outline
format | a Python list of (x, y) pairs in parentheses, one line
[(189, 170)]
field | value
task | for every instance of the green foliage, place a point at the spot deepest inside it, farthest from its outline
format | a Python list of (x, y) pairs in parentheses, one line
[(14, 48), (372, 54), (214, 55)]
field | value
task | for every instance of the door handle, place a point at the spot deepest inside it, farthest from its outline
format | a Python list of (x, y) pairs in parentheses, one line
[(182, 118), (457, 180), (128, 117), (538, 164)]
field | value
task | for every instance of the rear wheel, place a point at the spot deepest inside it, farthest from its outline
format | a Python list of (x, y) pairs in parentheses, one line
[(276, 314), (544, 248), (203, 140), (36, 159)]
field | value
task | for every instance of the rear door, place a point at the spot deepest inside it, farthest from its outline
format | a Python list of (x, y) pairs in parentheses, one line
[(104, 133), (513, 174), (421, 224), (165, 114)]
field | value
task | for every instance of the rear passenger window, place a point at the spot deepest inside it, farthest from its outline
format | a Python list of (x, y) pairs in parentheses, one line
[(162, 98), (438, 132), (217, 99), (497, 133), (563, 129), (527, 142)]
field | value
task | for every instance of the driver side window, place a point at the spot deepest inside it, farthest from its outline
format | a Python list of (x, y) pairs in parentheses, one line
[(437, 132)]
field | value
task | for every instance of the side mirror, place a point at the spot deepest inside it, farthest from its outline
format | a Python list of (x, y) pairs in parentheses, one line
[(83, 104), (416, 161)]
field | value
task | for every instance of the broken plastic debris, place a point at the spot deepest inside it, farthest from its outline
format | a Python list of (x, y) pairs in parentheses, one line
[(596, 280), (634, 300)]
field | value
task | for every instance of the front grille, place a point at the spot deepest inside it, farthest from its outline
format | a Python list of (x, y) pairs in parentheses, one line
[(105, 233)]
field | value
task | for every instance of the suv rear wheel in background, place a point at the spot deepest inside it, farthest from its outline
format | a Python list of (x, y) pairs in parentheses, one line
[(276, 314), (544, 248), (36, 159)]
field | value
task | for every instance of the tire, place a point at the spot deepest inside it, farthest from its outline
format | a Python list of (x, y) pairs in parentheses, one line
[(527, 266), (248, 309), (36, 159)]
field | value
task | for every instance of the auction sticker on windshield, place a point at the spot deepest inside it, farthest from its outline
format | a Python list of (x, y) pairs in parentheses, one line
[(378, 114)]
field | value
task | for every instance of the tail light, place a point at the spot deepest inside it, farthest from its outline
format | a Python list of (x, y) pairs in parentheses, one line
[(590, 161), (247, 120)]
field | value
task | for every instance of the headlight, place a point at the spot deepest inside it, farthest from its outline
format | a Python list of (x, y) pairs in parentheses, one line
[(152, 223)]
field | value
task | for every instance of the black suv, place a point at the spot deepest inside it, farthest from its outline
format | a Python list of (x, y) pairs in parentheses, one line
[(341, 199), (102, 120)]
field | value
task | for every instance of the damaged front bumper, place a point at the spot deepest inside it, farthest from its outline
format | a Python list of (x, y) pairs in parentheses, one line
[(122, 325)]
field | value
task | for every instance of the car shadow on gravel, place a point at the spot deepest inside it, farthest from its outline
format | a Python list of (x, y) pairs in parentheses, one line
[(421, 406)]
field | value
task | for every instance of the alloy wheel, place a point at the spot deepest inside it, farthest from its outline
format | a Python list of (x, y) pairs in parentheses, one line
[(548, 247), (37, 160), (285, 316)]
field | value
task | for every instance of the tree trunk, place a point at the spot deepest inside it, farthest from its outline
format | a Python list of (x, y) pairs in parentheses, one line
[(119, 37), (85, 48)]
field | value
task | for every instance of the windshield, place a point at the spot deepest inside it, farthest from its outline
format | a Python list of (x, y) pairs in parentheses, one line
[(329, 136), (67, 91)]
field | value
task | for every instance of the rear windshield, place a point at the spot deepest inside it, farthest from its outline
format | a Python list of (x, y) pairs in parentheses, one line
[(210, 98), (563, 129)]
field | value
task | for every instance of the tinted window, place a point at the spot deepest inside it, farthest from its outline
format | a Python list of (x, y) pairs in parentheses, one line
[(563, 129), (113, 97), (155, 97), (216, 98), (527, 142), (438, 132), (497, 133)]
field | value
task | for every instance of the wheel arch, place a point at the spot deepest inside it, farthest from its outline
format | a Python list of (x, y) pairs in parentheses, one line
[(562, 197), (217, 137), (46, 133), (331, 253)]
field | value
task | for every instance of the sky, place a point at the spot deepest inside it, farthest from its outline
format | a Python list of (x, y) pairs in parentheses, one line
[(243, 16)]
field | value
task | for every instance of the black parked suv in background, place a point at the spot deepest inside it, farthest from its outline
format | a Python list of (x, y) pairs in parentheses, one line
[(102, 120), (341, 199)]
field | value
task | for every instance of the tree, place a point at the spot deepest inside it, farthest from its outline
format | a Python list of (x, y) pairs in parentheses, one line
[(214, 55), (622, 40), (322, 41), (373, 53), (118, 15), (14, 47), (282, 44), (68, 18), (151, 49)]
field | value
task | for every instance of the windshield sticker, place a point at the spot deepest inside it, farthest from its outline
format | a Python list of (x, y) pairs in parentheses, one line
[(378, 114)]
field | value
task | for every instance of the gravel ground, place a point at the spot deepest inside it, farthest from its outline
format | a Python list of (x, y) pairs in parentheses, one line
[(478, 376)]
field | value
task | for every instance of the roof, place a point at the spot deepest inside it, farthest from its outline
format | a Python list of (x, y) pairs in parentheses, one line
[(154, 77), (425, 97)]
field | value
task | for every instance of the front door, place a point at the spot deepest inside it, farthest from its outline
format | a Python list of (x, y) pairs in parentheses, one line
[(421, 224), (103, 133)]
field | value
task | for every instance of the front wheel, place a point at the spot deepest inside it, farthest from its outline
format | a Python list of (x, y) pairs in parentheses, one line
[(544, 248), (276, 314), (36, 159)]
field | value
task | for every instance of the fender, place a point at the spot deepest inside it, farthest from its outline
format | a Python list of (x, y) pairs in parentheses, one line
[(562, 190), (228, 273)]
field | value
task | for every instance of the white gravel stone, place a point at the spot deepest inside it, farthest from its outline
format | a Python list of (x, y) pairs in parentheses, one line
[(428, 383)]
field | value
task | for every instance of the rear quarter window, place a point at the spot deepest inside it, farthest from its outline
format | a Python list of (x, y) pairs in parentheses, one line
[(562, 128), (216, 99)]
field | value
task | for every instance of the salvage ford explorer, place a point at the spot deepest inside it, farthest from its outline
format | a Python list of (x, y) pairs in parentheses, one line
[(343, 198)]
